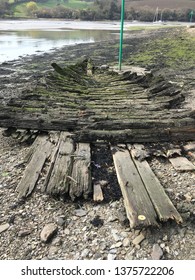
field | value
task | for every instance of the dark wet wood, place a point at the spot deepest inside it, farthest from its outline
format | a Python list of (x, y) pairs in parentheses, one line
[(101, 104)]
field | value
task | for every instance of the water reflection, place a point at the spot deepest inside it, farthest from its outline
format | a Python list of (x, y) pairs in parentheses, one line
[(14, 44)]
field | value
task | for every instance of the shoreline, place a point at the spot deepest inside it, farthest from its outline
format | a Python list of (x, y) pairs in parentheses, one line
[(59, 24)]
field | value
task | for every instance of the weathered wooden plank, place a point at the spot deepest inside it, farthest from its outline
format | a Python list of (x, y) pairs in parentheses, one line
[(37, 142), (56, 140), (69, 100), (81, 173), (97, 193), (182, 164), (33, 169), (161, 202), (57, 180), (140, 135), (139, 208)]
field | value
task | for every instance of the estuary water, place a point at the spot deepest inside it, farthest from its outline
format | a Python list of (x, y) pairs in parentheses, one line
[(21, 38), (27, 37)]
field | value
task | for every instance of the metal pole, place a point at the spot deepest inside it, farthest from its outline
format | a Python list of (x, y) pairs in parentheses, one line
[(191, 15), (121, 34)]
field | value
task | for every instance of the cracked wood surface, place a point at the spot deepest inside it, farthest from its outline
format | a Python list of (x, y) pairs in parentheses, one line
[(105, 105)]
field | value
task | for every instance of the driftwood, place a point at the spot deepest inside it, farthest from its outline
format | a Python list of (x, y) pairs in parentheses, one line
[(94, 104)]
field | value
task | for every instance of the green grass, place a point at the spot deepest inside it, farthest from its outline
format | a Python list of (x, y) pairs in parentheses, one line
[(171, 51), (20, 8), (73, 4)]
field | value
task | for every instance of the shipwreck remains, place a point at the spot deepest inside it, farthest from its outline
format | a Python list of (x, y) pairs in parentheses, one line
[(72, 107), (101, 104)]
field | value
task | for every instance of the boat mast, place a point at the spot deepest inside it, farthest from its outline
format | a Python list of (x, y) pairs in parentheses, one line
[(156, 15)]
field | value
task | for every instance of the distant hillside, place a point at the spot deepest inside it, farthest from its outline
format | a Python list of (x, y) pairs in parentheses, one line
[(142, 10), (161, 4)]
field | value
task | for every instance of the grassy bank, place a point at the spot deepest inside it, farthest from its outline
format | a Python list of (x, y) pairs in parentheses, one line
[(20, 10), (174, 50)]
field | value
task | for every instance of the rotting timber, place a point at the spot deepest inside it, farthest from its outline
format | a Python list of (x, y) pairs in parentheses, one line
[(94, 103), (82, 103)]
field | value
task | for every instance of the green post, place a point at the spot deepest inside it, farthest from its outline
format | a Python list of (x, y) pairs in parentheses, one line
[(191, 15), (121, 34)]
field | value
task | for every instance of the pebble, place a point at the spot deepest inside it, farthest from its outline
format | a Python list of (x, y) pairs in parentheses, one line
[(162, 245), (138, 239), (126, 242), (53, 250), (115, 235), (188, 197), (85, 253), (122, 217), (157, 252), (112, 218), (118, 244), (165, 238), (111, 257), (24, 232), (80, 212), (4, 227), (113, 251), (60, 221), (129, 257), (57, 241), (48, 232), (67, 231)]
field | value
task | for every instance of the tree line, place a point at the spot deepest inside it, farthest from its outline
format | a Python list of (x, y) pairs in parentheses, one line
[(99, 10)]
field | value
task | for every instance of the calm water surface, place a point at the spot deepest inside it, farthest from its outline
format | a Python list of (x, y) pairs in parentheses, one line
[(21, 42), (27, 37)]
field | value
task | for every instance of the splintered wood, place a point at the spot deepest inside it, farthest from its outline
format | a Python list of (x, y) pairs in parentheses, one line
[(65, 169), (80, 183), (60, 166), (67, 166), (144, 197), (33, 169)]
